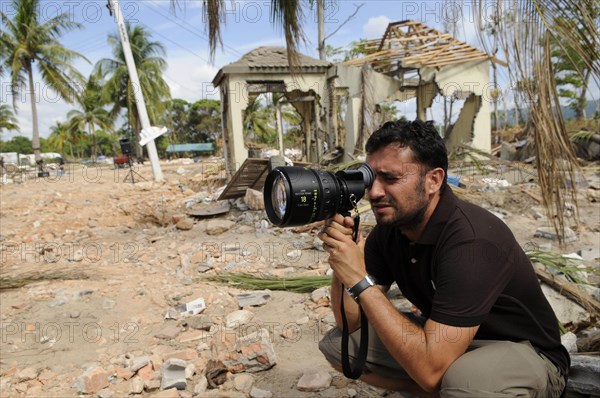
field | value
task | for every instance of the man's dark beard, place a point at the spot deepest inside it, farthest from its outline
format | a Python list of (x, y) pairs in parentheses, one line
[(408, 221)]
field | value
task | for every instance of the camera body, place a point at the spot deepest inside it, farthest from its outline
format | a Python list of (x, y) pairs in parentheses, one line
[(298, 195)]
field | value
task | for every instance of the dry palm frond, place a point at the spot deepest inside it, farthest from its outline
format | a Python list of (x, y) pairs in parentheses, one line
[(288, 13), (215, 15), (526, 29), (582, 135), (14, 282), (299, 284)]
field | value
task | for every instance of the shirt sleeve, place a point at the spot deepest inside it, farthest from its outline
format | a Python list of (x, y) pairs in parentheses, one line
[(375, 262)]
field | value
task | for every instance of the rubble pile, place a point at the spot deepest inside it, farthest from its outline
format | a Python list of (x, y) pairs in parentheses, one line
[(111, 295)]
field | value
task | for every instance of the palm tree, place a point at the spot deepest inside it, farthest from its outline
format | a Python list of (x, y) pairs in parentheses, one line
[(259, 122), (149, 57), (60, 136), (8, 121), (25, 41), (92, 114)]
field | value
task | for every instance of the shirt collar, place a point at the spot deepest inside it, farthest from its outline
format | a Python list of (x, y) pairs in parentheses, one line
[(439, 218)]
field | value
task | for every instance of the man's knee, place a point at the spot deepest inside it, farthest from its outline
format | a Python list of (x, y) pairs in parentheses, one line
[(499, 369), (330, 346)]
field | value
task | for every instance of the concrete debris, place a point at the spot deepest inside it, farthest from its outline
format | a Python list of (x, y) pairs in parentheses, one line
[(136, 385), (220, 394), (170, 393), (185, 224), (238, 318), (217, 227), (168, 332), (244, 382), (172, 373), (201, 386), (259, 393), (318, 294), (251, 353), (550, 233), (139, 363), (314, 380), (253, 299), (566, 311), (199, 322), (110, 340), (569, 340), (92, 381), (27, 374), (583, 376), (590, 253), (190, 371), (105, 393), (254, 199)]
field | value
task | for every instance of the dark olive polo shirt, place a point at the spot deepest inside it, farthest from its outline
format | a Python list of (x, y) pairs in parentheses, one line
[(467, 269)]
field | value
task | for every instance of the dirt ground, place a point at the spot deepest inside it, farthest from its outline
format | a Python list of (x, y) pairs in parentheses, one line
[(104, 261)]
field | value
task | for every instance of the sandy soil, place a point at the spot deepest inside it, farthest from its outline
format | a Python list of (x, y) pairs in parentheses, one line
[(120, 263)]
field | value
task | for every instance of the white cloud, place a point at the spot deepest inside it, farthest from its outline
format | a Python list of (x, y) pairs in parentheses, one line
[(376, 26), (190, 78)]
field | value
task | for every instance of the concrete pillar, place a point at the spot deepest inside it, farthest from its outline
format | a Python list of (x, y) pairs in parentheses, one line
[(425, 95), (237, 96), (352, 124)]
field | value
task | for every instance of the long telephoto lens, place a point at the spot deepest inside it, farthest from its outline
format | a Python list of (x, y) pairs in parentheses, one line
[(298, 196)]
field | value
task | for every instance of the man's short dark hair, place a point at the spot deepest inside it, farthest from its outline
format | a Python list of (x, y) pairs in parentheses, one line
[(421, 137)]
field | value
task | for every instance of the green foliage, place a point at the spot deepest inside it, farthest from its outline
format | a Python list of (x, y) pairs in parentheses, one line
[(192, 123), (571, 71), (355, 49), (259, 123), (570, 267), (299, 284), (18, 144), (92, 113), (149, 57), (8, 121), (27, 40)]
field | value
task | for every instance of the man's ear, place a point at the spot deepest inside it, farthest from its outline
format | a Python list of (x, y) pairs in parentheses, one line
[(435, 179)]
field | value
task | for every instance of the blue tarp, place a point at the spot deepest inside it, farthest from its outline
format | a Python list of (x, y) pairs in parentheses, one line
[(204, 147)]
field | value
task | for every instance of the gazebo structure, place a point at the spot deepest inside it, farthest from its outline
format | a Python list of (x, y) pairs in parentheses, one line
[(265, 70), (410, 60)]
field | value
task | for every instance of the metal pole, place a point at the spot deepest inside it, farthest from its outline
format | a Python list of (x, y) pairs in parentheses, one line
[(137, 88)]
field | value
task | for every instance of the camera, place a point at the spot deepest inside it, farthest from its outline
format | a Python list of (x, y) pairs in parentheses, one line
[(297, 195)]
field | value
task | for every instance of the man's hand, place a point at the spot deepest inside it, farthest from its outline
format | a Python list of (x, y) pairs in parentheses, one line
[(346, 257)]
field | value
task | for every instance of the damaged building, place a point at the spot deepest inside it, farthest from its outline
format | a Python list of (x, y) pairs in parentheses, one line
[(411, 60)]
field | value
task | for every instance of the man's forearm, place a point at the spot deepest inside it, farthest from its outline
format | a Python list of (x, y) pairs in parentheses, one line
[(424, 353), (350, 306)]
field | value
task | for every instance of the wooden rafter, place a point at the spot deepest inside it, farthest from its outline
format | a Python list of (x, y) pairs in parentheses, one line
[(412, 44)]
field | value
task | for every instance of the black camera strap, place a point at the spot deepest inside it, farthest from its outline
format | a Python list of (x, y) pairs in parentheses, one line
[(364, 344), (364, 330)]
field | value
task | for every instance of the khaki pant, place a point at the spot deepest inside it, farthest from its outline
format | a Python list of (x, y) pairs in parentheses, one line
[(488, 369)]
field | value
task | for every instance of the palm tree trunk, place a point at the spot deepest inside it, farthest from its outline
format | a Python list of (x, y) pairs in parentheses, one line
[(93, 133), (35, 136), (581, 102)]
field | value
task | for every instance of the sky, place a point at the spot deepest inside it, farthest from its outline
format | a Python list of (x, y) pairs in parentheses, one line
[(182, 31)]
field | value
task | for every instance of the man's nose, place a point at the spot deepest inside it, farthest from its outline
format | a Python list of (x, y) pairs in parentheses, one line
[(376, 190)]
